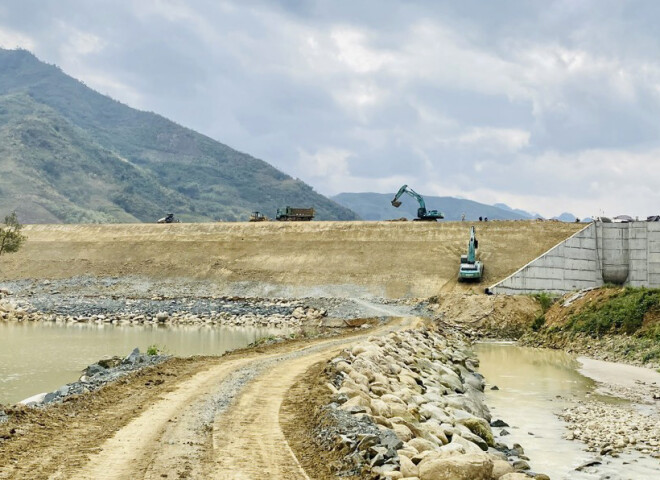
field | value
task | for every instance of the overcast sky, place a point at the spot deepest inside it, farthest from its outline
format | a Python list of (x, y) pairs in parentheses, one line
[(546, 106)]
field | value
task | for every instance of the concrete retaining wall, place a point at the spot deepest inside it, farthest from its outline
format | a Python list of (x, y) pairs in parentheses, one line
[(620, 253)]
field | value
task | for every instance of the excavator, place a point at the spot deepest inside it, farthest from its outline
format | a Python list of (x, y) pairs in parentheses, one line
[(422, 212), (471, 268)]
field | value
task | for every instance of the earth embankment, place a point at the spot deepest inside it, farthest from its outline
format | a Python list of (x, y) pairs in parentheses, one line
[(389, 259)]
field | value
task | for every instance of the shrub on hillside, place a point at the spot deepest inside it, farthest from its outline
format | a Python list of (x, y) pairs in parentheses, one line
[(11, 238)]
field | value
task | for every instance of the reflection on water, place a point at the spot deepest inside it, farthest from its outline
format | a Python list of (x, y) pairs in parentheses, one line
[(39, 357), (534, 385)]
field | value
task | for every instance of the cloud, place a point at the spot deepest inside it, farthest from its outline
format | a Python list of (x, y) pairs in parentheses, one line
[(544, 106), (10, 39)]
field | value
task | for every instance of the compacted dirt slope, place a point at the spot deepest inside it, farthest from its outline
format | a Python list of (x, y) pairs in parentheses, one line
[(392, 259)]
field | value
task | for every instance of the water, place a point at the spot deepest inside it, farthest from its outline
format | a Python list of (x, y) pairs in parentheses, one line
[(40, 357), (535, 385)]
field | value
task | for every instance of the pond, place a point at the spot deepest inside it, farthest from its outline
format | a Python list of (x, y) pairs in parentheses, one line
[(40, 357)]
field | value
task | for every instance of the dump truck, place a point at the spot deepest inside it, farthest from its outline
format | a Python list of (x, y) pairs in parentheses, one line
[(291, 214)]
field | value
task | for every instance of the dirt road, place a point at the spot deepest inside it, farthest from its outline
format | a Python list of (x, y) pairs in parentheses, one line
[(388, 259), (221, 422)]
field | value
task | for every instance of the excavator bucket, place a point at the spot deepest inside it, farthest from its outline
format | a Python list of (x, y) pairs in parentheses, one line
[(396, 203)]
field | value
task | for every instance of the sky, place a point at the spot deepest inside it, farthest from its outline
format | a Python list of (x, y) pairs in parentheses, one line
[(548, 106)]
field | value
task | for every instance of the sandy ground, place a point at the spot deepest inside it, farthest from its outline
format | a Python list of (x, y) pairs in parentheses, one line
[(388, 259), (637, 384)]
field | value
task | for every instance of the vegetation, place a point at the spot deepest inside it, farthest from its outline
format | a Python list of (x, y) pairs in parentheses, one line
[(538, 323), (70, 154), (11, 238), (153, 350), (545, 300), (624, 312)]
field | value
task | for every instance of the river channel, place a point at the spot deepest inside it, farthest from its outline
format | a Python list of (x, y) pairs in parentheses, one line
[(533, 386), (40, 357)]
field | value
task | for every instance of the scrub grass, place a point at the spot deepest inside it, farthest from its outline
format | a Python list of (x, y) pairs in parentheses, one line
[(623, 313)]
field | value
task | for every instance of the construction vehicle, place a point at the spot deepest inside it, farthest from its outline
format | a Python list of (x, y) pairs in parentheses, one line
[(422, 212), (169, 218), (258, 217), (290, 214), (471, 268)]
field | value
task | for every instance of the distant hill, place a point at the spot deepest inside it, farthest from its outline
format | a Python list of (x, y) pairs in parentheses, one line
[(377, 206), (565, 217), (70, 154), (523, 213)]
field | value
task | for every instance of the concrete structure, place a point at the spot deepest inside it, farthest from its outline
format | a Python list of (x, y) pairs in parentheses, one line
[(619, 253)]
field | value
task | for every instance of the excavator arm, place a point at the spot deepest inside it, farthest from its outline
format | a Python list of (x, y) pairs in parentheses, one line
[(422, 213), (404, 189), (472, 246)]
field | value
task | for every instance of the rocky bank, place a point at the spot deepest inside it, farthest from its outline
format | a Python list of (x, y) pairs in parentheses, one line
[(98, 375), (411, 405)]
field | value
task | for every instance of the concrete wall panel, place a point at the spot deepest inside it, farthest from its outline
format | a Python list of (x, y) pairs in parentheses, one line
[(628, 252)]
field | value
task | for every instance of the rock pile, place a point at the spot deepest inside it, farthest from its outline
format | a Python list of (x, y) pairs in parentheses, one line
[(420, 386), (609, 430), (238, 313), (97, 375)]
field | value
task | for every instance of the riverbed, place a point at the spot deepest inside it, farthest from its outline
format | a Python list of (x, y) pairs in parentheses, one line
[(533, 386), (40, 357)]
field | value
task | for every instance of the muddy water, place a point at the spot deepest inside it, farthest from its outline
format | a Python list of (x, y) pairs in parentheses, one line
[(40, 357), (534, 385)]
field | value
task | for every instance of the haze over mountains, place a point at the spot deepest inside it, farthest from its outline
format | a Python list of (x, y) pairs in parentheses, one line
[(69, 154)]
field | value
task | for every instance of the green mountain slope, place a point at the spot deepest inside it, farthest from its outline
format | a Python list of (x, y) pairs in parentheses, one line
[(70, 154), (377, 206)]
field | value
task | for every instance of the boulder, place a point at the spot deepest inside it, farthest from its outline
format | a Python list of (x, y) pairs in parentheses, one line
[(133, 358), (408, 468), (480, 428), (470, 447), (514, 476), (421, 445), (460, 467), (501, 468), (402, 432)]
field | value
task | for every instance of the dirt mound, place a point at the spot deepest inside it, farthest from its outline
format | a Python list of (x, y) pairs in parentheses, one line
[(389, 259), (574, 303), (502, 316)]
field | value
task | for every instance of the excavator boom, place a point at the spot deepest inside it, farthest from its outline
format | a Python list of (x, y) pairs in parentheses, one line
[(471, 268), (422, 213)]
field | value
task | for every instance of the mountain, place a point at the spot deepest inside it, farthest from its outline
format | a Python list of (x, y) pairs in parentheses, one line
[(70, 154), (565, 217), (520, 212), (377, 206)]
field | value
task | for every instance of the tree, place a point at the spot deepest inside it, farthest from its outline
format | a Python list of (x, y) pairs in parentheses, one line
[(11, 238)]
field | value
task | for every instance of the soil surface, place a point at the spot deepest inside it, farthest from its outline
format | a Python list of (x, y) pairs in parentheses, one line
[(295, 259)]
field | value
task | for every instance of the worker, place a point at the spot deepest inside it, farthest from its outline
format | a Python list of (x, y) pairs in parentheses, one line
[(481, 219), (486, 219)]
